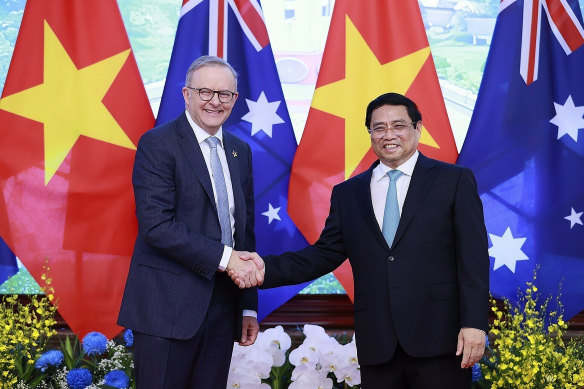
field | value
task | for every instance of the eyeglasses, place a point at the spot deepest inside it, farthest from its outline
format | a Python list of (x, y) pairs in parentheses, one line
[(398, 128), (206, 94)]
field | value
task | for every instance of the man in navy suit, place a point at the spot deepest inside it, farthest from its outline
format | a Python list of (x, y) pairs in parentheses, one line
[(413, 230), (194, 203)]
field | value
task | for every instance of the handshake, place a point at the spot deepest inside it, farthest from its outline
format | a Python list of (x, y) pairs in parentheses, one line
[(246, 269)]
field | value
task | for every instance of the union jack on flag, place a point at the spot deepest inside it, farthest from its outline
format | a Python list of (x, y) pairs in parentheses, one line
[(235, 30), (563, 23)]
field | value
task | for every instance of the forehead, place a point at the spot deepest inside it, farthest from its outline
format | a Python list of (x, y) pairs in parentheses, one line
[(213, 76), (389, 113)]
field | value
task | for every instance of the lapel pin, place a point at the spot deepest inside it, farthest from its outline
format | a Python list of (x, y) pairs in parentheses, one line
[(234, 153)]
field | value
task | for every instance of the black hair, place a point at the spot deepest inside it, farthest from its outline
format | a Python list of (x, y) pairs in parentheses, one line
[(393, 99)]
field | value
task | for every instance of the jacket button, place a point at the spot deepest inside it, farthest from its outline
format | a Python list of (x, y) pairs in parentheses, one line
[(391, 258)]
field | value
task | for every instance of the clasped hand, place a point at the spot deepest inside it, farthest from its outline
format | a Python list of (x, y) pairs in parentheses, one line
[(246, 269)]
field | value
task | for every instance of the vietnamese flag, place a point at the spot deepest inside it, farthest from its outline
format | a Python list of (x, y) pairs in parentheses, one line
[(372, 48), (72, 111)]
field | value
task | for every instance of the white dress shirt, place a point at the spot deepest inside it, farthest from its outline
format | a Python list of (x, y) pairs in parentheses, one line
[(380, 185)]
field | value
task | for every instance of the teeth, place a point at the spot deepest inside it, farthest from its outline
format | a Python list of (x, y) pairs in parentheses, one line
[(389, 146)]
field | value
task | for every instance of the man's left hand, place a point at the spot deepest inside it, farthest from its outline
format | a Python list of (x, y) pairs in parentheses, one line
[(249, 331), (471, 344)]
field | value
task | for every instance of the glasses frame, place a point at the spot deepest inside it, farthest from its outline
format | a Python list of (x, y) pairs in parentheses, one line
[(233, 94), (391, 128)]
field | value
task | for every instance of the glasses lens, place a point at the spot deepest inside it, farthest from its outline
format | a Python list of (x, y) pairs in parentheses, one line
[(225, 96), (205, 94)]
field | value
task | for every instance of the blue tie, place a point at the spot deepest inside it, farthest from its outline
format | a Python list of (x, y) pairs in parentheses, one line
[(221, 193), (391, 212)]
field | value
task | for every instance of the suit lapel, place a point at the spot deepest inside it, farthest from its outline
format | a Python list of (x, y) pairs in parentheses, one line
[(192, 151), (422, 179), (365, 203), (232, 153)]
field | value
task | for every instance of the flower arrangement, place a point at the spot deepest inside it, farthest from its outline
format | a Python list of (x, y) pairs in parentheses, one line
[(24, 332), (529, 350), (319, 362), (96, 363)]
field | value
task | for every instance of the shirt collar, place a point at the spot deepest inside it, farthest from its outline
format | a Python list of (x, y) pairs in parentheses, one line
[(201, 134), (406, 168)]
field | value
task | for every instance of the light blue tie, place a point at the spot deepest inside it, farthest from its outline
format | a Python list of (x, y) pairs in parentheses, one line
[(391, 212), (221, 193)]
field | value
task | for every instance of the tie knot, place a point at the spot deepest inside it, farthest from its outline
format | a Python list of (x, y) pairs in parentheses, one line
[(394, 174), (213, 141)]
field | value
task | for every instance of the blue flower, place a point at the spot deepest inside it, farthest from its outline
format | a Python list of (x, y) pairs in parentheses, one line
[(477, 374), (129, 337), (94, 343), (79, 378), (117, 379), (50, 358)]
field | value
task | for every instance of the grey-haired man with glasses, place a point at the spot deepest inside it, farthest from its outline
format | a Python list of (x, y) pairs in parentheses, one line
[(195, 207), (413, 230)]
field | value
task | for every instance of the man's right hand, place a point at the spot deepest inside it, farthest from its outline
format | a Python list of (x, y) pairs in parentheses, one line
[(245, 273)]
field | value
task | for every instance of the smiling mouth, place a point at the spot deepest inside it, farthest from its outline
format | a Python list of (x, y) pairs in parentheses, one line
[(390, 147), (212, 112)]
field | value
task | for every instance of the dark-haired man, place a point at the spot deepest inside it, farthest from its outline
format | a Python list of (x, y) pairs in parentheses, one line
[(413, 230)]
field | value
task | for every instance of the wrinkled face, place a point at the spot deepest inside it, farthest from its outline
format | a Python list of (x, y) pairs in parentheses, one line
[(394, 149), (210, 115)]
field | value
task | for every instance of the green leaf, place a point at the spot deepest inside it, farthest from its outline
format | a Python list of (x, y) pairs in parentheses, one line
[(37, 380)]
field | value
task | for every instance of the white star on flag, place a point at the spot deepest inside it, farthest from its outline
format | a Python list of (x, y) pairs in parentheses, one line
[(569, 118), (272, 213), (574, 218), (262, 115), (506, 250)]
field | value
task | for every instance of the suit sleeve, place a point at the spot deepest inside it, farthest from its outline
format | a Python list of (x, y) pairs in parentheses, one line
[(155, 192), (249, 298), (471, 253), (313, 261)]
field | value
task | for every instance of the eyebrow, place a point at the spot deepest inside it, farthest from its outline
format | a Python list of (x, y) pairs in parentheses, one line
[(392, 122)]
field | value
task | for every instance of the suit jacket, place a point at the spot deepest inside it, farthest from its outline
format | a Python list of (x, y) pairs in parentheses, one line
[(178, 248), (421, 291)]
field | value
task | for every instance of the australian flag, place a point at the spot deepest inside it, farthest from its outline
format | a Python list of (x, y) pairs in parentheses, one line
[(526, 149), (235, 30)]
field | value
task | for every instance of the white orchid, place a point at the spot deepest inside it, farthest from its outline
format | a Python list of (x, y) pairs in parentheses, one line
[(319, 355), (304, 377), (350, 374), (276, 342), (329, 354), (304, 356)]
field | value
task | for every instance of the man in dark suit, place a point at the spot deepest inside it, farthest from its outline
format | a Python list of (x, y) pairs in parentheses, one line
[(194, 203), (414, 233)]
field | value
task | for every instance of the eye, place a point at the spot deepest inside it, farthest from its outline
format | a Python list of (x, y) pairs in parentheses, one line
[(206, 92), (225, 94)]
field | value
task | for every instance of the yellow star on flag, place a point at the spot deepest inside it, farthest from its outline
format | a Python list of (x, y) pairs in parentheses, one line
[(69, 102), (365, 79)]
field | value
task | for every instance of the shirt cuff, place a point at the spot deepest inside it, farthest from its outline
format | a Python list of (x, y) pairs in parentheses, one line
[(249, 312), (225, 258)]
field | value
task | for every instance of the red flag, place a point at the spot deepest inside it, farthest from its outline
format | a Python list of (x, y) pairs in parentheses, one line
[(72, 111), (373, 49)]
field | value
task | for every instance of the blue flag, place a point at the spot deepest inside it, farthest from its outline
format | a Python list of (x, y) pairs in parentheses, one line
[(260, 116), (8, 266), (526, 149)]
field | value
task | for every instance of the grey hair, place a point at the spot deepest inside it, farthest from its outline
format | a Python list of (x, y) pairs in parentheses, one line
[(209, 60)]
